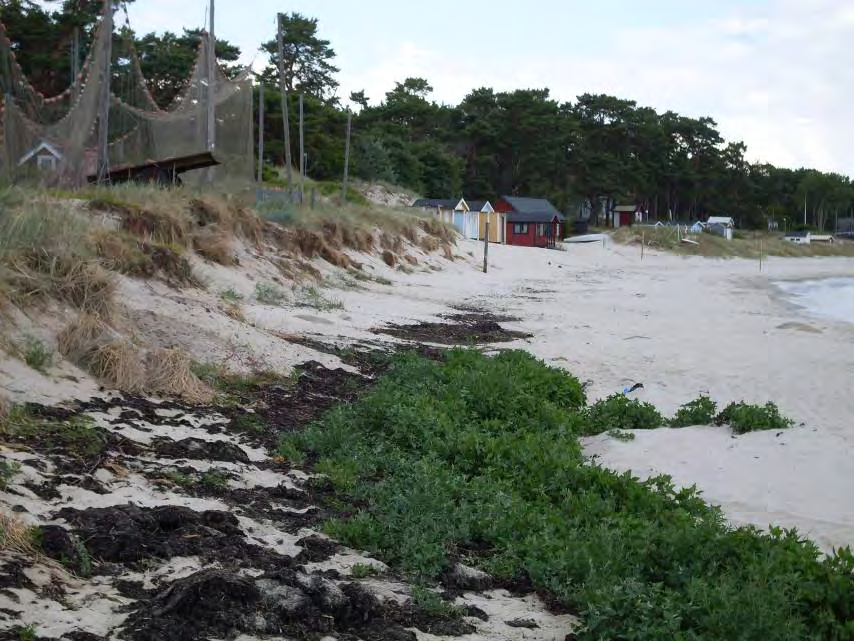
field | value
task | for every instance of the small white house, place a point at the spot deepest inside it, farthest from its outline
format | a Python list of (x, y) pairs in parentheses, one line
[(44, 156), (722, 225), (798, 237)]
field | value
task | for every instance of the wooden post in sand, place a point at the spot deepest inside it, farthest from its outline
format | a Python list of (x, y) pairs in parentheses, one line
[(760, 254), (346, 157), (643, 242), (486, 248)]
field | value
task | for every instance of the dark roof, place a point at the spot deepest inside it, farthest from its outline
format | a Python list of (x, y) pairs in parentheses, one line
[(532, 206), (796, 234), (167, 168), (535, 217), (476, 205), (436, 202)]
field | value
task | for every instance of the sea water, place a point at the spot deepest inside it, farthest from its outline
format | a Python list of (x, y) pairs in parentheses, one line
[(826, 297)]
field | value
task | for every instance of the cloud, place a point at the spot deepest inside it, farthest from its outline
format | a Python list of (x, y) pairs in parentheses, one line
[(779, 78)]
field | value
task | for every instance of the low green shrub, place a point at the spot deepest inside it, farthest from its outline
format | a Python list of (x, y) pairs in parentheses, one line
[(312, 297), (230, 296), (28, 633), (269, 294), (214, 478), (482, 453), (8, 470), (363, 570), (620, 435), (743, 418), (434, 605), (622, 413), (700, 411), (36, 354)]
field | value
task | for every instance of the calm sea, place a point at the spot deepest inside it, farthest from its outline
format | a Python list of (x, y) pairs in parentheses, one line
[(827, 297)]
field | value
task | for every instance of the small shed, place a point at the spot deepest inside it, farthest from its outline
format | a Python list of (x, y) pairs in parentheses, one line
[(486, 212), (721, 225), (798, 237), (845, 227), (625, 216), (45, 157), (448, 211), (533, 222)]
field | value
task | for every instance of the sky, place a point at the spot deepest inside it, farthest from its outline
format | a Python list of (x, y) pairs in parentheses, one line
[(775, 74)]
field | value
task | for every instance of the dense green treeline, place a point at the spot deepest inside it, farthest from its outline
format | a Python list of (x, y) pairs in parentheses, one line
[(584, 155)]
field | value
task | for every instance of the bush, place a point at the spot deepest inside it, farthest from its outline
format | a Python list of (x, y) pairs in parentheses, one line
[(700, 411), (269, 294), (743, 418), (312, 297), (37, 355), (619, 412), (478, 453), (8, 469)]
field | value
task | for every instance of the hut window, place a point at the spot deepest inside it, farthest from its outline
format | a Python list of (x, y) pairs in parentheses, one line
[(46, 163), (520, 228)]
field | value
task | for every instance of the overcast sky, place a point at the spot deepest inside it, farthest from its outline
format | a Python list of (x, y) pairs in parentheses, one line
[(777, 74)]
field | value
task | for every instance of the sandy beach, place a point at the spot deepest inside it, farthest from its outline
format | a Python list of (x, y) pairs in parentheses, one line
[(683, 327)]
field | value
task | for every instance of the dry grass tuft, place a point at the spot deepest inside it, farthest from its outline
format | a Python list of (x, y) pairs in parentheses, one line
[(410, 233), (169, 373), (448, 251), (308, 242), (234, 311), (389, 258), (391, 242), (171, 263), (121, 252), (15, 537), (214, 243), (335, 257), (74, 280), (440, 230), (410, 259), (5, 406), (429, 243), (228, 216), (90, 343), (165, 224), (118, 364), (80, 339), (308, 268)]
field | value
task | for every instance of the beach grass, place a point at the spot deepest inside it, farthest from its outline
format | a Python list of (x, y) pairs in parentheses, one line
[(745, 244)]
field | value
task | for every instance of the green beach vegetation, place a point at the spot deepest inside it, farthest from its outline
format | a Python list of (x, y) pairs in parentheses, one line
[(478, 459)]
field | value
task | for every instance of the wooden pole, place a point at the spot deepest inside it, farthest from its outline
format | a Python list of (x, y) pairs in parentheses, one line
[(283, 88), (104, 106), (301, 150), (346, 157), (486, 247), (643, 242), (760, 254), (212, 78), (261, 132)]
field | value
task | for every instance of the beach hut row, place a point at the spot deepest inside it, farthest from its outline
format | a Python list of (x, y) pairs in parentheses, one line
[(532, 222)]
